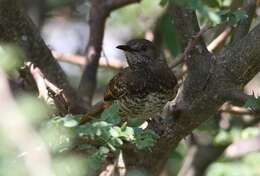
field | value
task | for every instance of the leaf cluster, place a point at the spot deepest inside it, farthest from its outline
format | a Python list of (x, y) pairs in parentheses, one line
[(110, 132), (211, 10)]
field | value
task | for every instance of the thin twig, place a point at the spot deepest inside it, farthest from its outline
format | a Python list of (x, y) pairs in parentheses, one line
[(219, 40), (81, 60), (238, 110), (189, 47), (47, 90)]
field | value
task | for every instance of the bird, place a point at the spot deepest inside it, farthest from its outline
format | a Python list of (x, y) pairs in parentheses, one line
[(141, 89)]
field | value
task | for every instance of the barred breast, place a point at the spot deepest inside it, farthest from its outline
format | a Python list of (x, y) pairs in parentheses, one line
[(143, 106)]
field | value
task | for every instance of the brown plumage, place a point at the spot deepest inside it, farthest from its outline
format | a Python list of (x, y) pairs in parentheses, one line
[(141, 89)]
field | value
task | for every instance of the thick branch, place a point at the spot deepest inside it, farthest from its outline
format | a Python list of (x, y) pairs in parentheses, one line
[(200, 96), (187, 26), (17, 28), (242, 61)]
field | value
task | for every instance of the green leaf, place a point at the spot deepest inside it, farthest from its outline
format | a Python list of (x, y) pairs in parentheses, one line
[(211, 3), (111, 115), (98, 132), (114, 132), (240, 14), (128, 133), (100, 124), (168, 33), (214, 17), (119, 142), (250, 132), (88, 147), (232, 19), (164, 3), (222, 138), (144, 138), (135, 122), (224, 12), (86, 129), (103, 150), (252, 103), (11, 57), (111, 147), (70, 123)]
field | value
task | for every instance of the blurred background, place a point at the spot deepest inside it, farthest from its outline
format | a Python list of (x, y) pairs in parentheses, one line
[(227, 145)]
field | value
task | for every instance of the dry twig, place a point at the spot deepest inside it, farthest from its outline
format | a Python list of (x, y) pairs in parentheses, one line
[(189, 47), (47, 90), (81, 60)]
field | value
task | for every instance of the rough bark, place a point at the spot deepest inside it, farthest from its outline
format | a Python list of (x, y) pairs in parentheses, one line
[(211, 80)]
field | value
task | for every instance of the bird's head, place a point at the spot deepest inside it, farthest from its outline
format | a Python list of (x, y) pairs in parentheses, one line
[(139, 52)]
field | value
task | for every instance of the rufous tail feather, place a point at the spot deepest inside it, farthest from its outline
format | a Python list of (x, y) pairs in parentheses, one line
[(95, 111)]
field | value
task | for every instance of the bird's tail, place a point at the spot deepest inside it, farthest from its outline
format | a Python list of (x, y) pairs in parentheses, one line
[(95, 111)]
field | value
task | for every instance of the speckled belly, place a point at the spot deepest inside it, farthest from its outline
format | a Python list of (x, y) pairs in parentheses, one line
[(142, 107)]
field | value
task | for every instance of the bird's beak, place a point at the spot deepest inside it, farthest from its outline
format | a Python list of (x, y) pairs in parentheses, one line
[(125, 48)]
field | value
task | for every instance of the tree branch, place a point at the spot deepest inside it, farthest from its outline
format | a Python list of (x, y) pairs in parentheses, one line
[(115, 4), (186, 24), (51, 94), (17, 28), (242, 61), (237, 96), (199, 97), (219, 40), (244, 24), (100, 10), (192, 42), (80, 60)]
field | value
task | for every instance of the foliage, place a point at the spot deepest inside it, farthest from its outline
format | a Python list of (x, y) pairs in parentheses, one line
[(232, 17), (210, 11), (109, 131), (168, 33), (246, 166), (234, 134), (11, 57)]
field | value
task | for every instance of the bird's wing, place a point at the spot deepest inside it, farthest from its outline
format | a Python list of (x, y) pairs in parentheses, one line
[(117, 87)]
